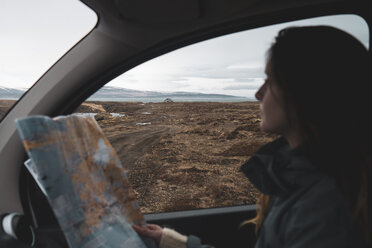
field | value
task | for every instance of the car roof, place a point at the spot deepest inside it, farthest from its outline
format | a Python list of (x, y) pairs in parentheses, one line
[(129, 33)]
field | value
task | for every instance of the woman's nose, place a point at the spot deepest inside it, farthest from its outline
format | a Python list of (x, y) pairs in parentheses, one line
[(259, 94)]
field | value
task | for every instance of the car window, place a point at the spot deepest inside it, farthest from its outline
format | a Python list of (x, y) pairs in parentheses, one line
[(183, 123), (34, 35)]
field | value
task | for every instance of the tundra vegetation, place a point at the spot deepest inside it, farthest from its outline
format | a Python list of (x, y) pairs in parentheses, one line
[(182, 155)]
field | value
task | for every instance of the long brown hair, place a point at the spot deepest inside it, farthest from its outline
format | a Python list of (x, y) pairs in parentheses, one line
[(263, 202), (324, 74)]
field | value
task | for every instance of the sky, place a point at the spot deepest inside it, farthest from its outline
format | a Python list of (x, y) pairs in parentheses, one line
[(35, 34)]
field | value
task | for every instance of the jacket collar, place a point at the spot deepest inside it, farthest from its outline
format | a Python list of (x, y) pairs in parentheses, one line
[(276, 169)]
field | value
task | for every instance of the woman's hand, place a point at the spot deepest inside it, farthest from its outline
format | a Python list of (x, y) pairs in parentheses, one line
[(150, 230)]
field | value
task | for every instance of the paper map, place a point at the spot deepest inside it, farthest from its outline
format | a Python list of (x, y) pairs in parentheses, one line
[(83, 179)]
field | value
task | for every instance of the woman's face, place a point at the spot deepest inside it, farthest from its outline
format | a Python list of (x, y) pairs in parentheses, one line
[(273, 115)]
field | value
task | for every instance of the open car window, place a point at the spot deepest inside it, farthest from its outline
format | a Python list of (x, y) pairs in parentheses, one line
[(34, 35), (183, 123)]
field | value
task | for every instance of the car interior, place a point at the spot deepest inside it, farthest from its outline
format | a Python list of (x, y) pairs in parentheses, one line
[(128, 34)]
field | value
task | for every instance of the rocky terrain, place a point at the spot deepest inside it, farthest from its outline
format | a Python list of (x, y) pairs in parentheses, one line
[(182, 155)]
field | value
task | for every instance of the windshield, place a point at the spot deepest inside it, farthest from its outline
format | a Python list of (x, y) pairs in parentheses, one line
[(34, 35)]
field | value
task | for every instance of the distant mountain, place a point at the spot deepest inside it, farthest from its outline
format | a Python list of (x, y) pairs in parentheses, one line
[(10, 93), (109, 92), (116, 92)]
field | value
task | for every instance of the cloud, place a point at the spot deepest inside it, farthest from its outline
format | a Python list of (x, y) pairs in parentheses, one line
[(246, 66), (221, 79), (237, 74), (241, 87)]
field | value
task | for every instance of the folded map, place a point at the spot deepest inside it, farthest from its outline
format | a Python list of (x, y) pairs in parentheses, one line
[(85, 183)]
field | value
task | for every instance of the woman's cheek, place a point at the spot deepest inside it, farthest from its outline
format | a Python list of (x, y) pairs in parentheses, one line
[(269, 121), (263, 123)]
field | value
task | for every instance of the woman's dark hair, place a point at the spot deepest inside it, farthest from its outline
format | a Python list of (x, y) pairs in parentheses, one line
[(324, 76)]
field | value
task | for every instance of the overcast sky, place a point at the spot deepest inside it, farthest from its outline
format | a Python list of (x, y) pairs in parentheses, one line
[(34, 34)]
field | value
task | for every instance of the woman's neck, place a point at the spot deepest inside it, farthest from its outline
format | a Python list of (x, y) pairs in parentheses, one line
[(293, 138)]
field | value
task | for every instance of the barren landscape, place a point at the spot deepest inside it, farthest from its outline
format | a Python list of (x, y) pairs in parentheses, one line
[(182, 155)]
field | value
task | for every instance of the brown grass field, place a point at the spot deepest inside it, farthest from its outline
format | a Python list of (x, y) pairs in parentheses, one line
[(181, 155)]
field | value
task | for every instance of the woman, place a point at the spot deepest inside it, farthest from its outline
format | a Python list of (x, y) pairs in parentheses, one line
[(316, 179)]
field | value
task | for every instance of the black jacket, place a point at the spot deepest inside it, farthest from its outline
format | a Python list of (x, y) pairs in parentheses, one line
[(306, 207)]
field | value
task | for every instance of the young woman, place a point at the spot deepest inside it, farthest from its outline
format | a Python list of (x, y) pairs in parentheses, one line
[(316, 179)]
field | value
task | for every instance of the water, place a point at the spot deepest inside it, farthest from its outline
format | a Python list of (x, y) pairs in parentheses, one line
[(175, 99), (94, 114), (117, 115), (85, 114), (143, 123)]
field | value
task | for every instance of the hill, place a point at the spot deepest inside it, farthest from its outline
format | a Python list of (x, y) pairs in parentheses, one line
[(116, 93), (10, 93)]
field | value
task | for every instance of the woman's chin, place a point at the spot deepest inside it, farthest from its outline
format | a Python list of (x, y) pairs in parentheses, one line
[(267, 129), (263, 127)]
